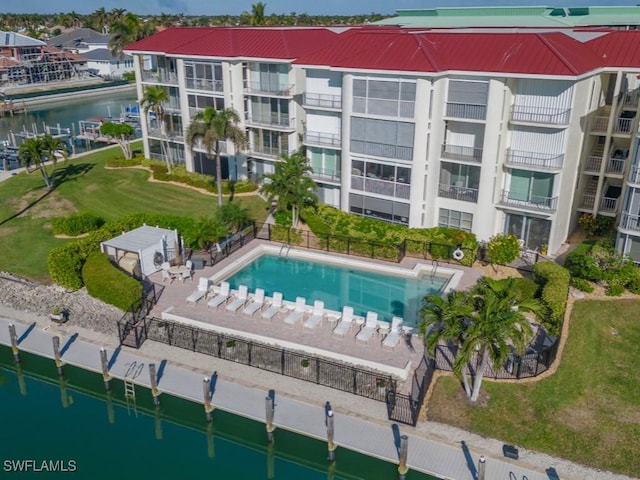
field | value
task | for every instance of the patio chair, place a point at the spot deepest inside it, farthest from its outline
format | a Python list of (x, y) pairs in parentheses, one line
[(167, 276), (274, 308), (394, 335), (203, 288), (240, 299), (370, 327), (345, 323), (221, 297), (317, 315), (189, 265), (165, 266), (256, 305), (297, 313), (187, 273)]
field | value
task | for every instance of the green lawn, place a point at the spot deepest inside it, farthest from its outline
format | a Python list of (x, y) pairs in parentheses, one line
[(588, 411), (26, 208)]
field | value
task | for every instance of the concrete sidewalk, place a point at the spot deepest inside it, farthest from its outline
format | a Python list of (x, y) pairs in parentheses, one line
[(373, 438)]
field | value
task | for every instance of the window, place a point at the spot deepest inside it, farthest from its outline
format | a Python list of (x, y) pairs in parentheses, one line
[(529, 186), (381, 178), (387, 210), (203, 76), (382, 138), (384, 97), (200, 102), (532, 230), (455, 219)]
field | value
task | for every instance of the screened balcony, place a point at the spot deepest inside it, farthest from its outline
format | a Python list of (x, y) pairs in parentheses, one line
[(540, 115), (528, 202), (458, 193), (322, 100), (464, 154)]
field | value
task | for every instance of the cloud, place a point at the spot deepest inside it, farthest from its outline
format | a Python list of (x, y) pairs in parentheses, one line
[(179, 6)]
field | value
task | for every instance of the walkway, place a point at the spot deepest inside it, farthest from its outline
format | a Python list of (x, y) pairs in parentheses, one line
[(359, 434)]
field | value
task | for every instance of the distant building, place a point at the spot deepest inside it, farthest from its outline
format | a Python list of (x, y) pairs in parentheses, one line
[(490, 131)]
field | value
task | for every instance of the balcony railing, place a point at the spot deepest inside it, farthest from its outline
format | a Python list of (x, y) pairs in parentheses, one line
[(278, 90), (274, 120), (380, 106), (322, 100), (160, 76), (543, 161), (381, 187), (166, 134), (222, 146), (634, 175), (271, 152), (543, 115), (630, 99), (588, 201), (327, 175), (531, 202), (205, 84), (463, 110), (608, 205), (615, 166), (465, 154), (382, 150), (594, 162), (458, 193), (630, 222), (323, 139), (621, 125)]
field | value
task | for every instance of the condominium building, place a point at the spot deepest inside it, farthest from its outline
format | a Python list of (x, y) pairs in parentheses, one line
[(487, 131)]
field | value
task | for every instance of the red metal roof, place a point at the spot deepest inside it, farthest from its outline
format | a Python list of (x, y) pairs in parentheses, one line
[(224, 42), (620, 48), (524, 53)]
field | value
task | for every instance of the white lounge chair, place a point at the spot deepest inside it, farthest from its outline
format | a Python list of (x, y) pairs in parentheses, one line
[(394, 335), (345, 323), (167, 276), (317, 315), (239, 300), (370, 327), (256, 304), (203, 288), (275, 307), (298, 311), (186, 274), (221, 297)]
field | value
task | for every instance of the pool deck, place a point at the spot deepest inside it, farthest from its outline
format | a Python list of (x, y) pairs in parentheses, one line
[(364, 435)]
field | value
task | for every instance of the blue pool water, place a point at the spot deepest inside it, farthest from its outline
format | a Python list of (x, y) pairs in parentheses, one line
[(339, 285), (72, 424)]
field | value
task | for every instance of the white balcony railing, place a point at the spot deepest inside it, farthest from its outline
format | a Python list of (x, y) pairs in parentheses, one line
[(271, 152), (615, 166), (594, 162), (322, 100), (327, 175), (160, 76), (608, 205), (621, 125), (543, 115), (529, 202), (543, 161), (205, 84), (588, 201), (266, 88), (465, 154), (630, 222), (323, 139), (273, 120), (458, 193), (634, 175), (381, 187), (463, 110)]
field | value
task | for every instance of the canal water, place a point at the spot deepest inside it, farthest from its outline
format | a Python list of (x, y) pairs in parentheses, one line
[(71, 425), (67, 113)]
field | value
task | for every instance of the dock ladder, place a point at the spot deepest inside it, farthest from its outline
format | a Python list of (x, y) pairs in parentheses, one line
[(434, 270), (286, 246), (130, 387)]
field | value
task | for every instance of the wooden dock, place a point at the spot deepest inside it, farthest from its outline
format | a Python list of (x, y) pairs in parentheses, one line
[(9, 107), (376, 439)]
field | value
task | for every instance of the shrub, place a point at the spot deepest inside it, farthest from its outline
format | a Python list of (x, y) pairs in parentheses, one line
[(554, 282), (615, 290), (581, 264), (581, 284), (525, 289), (633, 283), (595, 226), (109, 284), (503, 249), (121, 162), (76, 224)]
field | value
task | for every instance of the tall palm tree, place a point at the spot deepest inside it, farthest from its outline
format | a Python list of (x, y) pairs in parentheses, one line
[(291, 185), (127, 30), (34, 151), (257, 13), (153, 100), (54, 148), (209, 128), (446, 319)]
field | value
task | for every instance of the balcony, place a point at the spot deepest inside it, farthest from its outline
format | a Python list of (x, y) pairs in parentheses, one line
[(540, 115), (463, 110), (630, 222), (331, 140), (204, 84), (464, 154), (160, 76), (608, 205), (615, 166), (274, 153), (531, 202), (600, 125), (593, 164), (540, 161), (322, 100), (458, 193), (381, 187), (268, 89), (383, 107), (634, 175), (630, 99), (164, 134), (274, 120), (325, 175), (382, 150)]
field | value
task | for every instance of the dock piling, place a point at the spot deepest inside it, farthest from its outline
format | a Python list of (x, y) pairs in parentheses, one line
[(105, 368), (404, 450), (331, 447), (206, 391), (154, 384), (14, 342), (482, 463), (56, 353), (270, 411)]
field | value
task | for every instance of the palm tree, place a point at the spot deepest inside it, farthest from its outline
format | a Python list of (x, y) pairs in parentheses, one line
[(127, 30), (291, 185), (206, 231), (209, 128), (257, 13), (234, 215), (153, 100), (34, 151), (53, 148), (446, 319)]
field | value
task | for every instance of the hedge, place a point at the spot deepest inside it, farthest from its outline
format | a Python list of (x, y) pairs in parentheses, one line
[(76, 224), (554, 283), (106, 282)]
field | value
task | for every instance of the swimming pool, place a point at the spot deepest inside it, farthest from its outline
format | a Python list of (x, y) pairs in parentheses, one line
[(388, 290)]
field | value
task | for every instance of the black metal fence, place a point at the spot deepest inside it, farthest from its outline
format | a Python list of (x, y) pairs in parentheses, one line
[(405, 408), (340, 376), (131, 330)]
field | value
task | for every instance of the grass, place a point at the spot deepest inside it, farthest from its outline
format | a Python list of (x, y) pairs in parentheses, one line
[(587, 412), (83, 184)]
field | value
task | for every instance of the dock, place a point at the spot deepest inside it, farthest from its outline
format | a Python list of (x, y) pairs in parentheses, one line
[(373, 438), (9, 107)]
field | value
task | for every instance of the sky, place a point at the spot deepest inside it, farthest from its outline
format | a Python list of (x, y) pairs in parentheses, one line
[(235, 7)]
